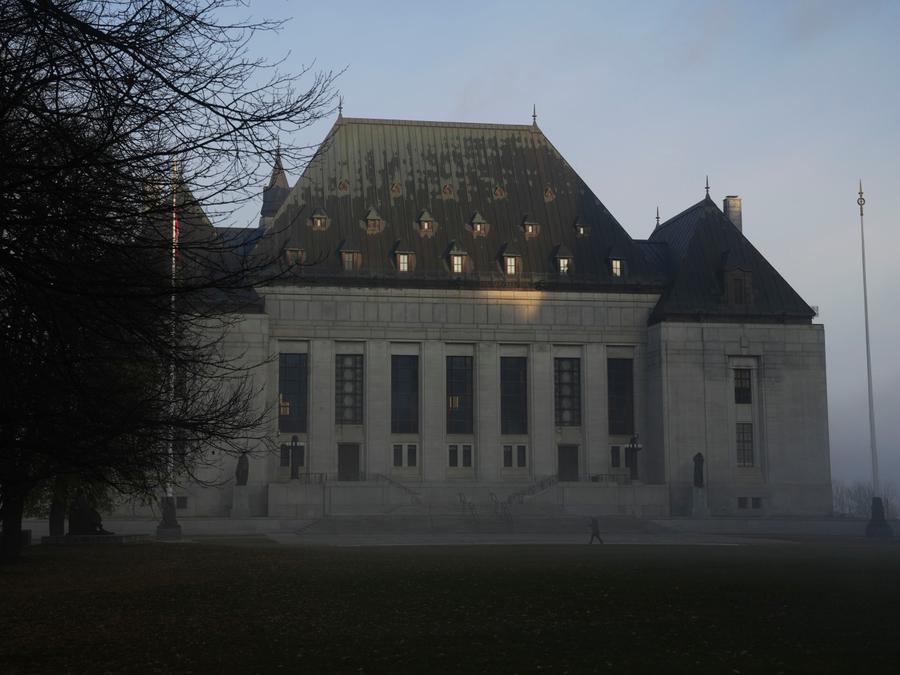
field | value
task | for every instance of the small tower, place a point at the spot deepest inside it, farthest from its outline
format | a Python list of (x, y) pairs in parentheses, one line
[(275, 193)]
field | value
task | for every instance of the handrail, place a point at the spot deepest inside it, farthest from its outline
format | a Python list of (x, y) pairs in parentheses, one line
[(544, 483), (413, 495)]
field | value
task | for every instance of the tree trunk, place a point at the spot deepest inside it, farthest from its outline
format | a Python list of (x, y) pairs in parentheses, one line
[(11, 539)]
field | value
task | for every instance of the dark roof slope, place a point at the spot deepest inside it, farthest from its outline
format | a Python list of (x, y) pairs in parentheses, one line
[(508, 173), (705, 247)]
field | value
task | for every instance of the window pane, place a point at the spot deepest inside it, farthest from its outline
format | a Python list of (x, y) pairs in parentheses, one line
[(404, 394), (467, 455), (398, 455), (513, 395), (507, 455), (460, 398), (567, 388), (454, 459), (620, 395), (292, 396), (744, 444), (742, 391), (520, 455), (348, 389)]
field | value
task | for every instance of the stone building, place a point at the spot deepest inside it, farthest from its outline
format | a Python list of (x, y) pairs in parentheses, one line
[(462, 319)]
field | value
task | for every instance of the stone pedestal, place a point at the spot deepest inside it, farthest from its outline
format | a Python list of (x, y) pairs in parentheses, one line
[(878, 527), (699, 503), (240, 505)]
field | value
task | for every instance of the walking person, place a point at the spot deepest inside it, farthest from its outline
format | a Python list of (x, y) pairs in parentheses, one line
[(595, 531)]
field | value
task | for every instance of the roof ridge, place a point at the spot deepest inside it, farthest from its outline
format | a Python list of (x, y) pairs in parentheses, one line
[(438, 123), (702, 202)]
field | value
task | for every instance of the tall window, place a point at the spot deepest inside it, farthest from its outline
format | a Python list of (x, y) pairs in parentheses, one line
[(513, 395), (512, 265), (615, 267), (348, 389), (567, 390), (620, 396), (744, 444), (564, 265), (403, 262), (460, 397), (292, 383), (742, 393), (404, 394), (456, 263)]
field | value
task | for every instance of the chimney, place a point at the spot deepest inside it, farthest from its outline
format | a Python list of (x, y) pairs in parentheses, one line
[(731, 205)]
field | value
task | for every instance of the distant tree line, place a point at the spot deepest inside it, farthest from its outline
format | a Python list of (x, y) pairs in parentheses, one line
[(855, 499)]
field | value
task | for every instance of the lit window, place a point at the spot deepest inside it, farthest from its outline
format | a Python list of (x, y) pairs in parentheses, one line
[(403, 262), (456, 261), (318, 223), (615, 267), (512, 265), (581, 230), (319, 220), (294, 256), (529, 229), (347, 261), (564, 265), (426, 225)]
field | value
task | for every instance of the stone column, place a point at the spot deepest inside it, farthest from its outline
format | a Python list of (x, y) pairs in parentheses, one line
[(433, 393), (378, 406), (487, 411), (322, 452), (542, 411)]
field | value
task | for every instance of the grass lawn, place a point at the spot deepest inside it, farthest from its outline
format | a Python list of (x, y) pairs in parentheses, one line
[(260, 608)]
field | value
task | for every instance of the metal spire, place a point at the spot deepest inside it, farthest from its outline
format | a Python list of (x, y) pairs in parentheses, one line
[(534, 114), (707, 185), (340, 106), (872, 443), (657, 215)]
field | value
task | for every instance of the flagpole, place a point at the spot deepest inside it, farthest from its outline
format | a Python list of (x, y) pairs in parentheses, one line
[(169, 528), (877, 526)]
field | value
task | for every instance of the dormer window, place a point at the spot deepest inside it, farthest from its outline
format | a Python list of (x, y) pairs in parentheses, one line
[(294, 256), (530, 228), (457, 263), (616, 267), (581, 230), (739, 287), (511, 265), (405, 261), (350, 260), (426, 224), (373, 222), (565, 264), (319, 221), (478, 225)]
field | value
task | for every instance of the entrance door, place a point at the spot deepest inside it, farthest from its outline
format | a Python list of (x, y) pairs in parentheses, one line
[(568, 462), (348, 461)]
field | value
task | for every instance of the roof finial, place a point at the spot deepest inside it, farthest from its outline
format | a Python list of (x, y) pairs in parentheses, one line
[(861, 201), (707, 185), (340, 106), (534, 114), (657, 215)]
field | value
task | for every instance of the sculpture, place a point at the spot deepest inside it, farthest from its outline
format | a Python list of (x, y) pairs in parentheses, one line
[(84, 519), (242, 472), (698, 470)]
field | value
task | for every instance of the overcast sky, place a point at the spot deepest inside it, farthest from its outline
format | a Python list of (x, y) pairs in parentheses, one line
[(787, 104)]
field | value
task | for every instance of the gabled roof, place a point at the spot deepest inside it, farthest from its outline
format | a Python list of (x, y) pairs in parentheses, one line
[(453, 170), (704, 247)]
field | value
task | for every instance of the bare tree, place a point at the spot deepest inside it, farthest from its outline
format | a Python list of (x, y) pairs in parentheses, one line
[(111, 356)]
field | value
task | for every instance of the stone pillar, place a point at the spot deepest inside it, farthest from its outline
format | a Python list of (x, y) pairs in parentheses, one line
[(432, 380), (542, 411), (487, 411), (594, 414), (322, 451), (378, 406)]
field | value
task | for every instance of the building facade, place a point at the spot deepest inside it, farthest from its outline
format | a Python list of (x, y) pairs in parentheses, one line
[(461, 322)]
